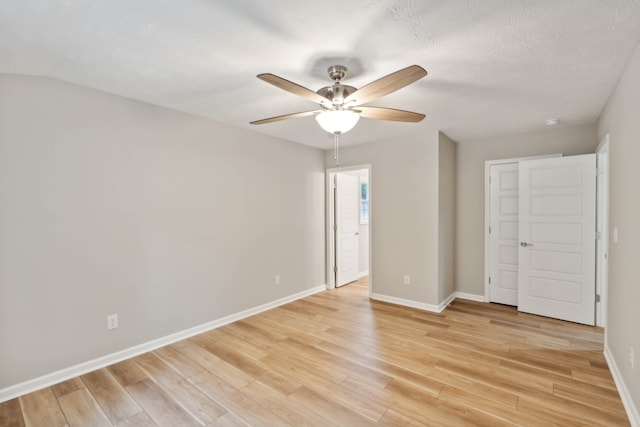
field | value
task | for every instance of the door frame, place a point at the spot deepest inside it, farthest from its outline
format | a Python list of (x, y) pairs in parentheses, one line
[(602, 224), (487, 211), (330, 222)]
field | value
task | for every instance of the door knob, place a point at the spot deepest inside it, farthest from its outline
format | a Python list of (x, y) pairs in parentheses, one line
[(525, 244)]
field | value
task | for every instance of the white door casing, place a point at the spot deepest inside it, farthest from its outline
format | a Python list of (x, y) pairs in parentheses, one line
[(347, 221), (557, 209), (602, 230), (503, 246)]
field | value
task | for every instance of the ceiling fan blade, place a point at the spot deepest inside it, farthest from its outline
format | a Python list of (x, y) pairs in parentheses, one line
[(389, 114), (293, 88), (285, 117), (385, 85)]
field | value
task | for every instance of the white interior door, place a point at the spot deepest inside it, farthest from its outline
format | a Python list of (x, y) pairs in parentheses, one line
[(347, 221), (557, 213), (503, 236)]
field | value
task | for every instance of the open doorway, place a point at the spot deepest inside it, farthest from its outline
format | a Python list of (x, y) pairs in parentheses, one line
[(348, 225)]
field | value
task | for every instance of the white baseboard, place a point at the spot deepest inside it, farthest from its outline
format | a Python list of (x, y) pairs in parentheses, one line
[(428, 307), (406, 302), (625, 396), (471, 297), (82, 368), (444, 304), (363, 274)]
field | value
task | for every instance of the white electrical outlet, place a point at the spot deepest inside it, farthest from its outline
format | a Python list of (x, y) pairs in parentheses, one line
[(632, 361), (276, 280), (112, 321), (407, 279)]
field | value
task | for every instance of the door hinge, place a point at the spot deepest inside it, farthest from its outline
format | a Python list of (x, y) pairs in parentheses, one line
[(489, 279), (489, 229), (598, 235), (335, 227), (489, 179), (597, 298), (335, 268)]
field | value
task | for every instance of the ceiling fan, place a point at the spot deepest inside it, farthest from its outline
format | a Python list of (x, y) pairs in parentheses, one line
[(341, 105)]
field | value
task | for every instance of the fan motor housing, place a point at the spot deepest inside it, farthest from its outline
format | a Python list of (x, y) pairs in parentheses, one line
[(333, 92)]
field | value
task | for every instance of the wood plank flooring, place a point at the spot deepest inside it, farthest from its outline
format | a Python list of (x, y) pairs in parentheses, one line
[(338, 359)]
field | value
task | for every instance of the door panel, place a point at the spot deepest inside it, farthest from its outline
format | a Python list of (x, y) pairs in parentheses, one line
[(503, 245), (556, 256), (348, 221)]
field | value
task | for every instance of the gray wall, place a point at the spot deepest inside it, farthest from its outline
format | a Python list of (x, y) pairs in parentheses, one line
[(470, 182), (446, 217), (621, 120), (108, 205), (404, 213)]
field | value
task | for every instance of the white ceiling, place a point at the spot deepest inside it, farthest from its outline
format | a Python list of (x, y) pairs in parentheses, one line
[(495, 67)]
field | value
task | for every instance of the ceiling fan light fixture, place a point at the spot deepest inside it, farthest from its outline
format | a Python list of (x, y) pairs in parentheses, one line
[(338, 121)]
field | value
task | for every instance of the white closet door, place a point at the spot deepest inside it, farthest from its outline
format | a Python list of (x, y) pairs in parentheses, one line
[(503, 238), (557, 213)]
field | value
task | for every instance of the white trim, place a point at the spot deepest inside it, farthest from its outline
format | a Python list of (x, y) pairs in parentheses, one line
[(100, 362), (444, 304), (487, 211), (602, 224), (470, 297), (329, 219), (427, 307), (363, 274), (406, 302), (623, 391)]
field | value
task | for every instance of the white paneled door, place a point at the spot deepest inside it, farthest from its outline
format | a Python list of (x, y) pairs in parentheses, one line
[(556, 252), (348, 221), (503, 237)]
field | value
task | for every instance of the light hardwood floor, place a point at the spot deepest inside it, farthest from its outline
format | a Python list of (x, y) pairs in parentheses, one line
[(337, 358)]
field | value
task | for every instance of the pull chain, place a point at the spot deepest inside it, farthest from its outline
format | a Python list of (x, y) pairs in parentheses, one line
[(335, 148)]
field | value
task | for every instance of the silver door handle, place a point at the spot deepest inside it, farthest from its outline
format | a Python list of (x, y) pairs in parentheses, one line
[(525, 244)]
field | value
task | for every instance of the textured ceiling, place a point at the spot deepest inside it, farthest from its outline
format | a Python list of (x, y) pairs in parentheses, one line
[(495, 67)]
